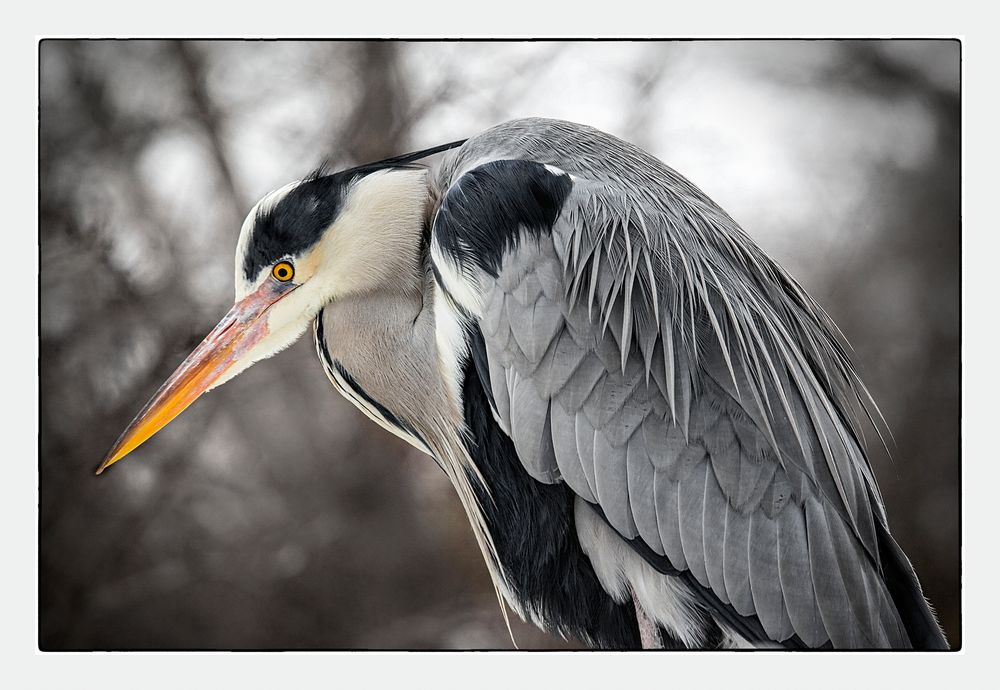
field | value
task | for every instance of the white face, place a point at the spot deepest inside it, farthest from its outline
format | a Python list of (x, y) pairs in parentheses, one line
[(357, 251), (301, 247), (287, 319)]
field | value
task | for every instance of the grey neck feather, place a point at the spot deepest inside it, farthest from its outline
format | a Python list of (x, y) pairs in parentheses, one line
[(386, 339)]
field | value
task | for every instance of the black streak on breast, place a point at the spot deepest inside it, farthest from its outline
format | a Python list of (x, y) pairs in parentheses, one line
[(534, 531), (335, 365)]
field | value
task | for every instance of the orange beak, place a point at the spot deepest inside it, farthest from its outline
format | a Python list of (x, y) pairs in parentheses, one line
[(238, 332)]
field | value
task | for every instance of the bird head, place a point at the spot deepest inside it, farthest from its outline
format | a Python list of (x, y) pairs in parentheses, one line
[(302, 246)]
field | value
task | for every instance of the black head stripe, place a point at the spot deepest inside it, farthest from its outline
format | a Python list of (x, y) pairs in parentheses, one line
[(297, 221), (403, 161), (294, 223), (406, 158)]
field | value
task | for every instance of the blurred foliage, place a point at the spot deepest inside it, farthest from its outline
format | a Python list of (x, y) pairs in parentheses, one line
[(273, 515)]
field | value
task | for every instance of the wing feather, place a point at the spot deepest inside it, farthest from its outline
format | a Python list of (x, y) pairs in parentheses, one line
[(629, 360), (611, 478), (713, 535), (569, 456), (795, 576), (765, 584), (530, 427), (736, 564), (665, 493), (641, 482), (690, 515)]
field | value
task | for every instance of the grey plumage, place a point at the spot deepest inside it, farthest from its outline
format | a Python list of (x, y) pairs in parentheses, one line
[(650, 355), (653, 430)]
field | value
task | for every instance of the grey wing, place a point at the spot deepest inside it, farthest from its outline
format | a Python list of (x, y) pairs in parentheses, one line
[(620, 364)]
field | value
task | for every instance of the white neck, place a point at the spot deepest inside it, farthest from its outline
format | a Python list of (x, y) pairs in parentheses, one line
[(375, 243)]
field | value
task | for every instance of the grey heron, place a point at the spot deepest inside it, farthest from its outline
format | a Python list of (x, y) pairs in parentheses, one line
[(654, 431)]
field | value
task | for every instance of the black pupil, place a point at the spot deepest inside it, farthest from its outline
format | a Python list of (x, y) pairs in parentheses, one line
[(282, 272)]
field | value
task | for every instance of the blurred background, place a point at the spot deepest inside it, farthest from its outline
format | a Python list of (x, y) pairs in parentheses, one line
[(273, 514)]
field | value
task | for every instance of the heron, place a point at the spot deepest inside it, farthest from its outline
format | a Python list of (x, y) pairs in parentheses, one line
[(655, 433)]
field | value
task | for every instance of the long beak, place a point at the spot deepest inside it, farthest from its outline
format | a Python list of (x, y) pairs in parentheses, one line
[(236, 334)]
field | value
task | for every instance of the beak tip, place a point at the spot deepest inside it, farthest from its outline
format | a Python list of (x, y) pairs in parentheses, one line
[(236, 334), (108, 461)]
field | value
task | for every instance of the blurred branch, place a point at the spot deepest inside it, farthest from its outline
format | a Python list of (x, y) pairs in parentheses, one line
[(211, 121), (499, 94), (436, 97), (865, 65), (874, 68), (645, 81), (100, 116), (377, 125)]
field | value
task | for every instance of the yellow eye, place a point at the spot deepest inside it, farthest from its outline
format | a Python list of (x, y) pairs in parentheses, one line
[(283, 271)]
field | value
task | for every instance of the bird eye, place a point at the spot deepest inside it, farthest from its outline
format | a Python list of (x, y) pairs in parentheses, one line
[(283, 271)]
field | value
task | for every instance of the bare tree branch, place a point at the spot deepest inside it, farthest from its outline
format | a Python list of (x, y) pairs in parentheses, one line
[(195, 67)]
